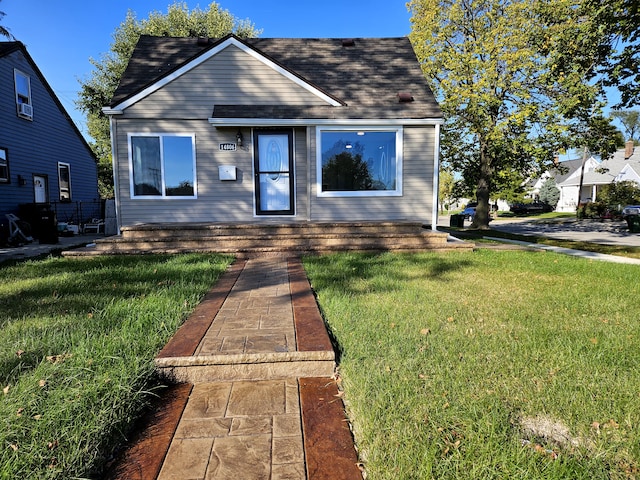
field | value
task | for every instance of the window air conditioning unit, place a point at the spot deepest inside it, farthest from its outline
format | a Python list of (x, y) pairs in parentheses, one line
[(26, 110)]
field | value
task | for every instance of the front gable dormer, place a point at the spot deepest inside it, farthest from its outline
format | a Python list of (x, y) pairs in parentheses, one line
[(228, 71)]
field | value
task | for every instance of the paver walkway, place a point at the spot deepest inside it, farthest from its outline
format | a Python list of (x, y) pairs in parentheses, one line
[(256, 398)]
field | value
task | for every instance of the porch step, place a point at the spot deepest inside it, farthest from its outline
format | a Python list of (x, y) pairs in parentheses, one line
[(260, 238), (268, 366)]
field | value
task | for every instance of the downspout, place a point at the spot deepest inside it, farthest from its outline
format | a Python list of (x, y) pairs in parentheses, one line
[(436, 178), (308, 174)]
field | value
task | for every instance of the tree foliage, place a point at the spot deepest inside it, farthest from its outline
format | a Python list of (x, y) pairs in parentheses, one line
[(619, 47), (510, 99), (96, 91), (622, 193), (4, 31), (446, 186), (549, 192), (630, 120)]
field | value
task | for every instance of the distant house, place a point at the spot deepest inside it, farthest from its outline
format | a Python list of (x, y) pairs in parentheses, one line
[(623, 165), (274, 130), (44, 160)]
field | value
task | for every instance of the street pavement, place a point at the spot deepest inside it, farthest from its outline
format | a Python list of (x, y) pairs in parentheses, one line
[(606, 232)]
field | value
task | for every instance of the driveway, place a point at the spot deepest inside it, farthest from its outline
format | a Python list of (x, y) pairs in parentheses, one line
[(607, 232)]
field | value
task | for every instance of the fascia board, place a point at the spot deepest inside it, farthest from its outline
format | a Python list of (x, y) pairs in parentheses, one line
[(345, 122)]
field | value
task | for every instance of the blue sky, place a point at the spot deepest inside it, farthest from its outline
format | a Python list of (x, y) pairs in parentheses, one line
[(61, 36)]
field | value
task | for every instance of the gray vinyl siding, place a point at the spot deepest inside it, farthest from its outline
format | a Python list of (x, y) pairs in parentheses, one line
[(417, 190), (217, 201), (229, 78), (226, 201), (35, 147)]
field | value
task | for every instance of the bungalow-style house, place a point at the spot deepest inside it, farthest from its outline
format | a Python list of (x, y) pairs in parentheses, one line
[(274, 130), (45, 163), (623, 165)]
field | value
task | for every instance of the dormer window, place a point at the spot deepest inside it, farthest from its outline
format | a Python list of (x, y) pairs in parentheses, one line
[(23, 95)]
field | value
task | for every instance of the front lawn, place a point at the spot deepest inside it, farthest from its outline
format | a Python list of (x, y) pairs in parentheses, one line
[(77, 343), (487, 365)]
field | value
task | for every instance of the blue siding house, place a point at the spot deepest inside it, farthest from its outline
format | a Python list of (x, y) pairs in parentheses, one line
[(44, 160)]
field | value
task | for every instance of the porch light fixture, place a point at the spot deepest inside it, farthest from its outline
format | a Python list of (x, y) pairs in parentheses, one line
[(239, 138)]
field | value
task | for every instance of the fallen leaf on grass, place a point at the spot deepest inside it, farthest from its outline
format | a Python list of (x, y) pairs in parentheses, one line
[(14, 447), (52, 445), (19, 353), (42, 383), (58, 358), (425, 331), (5, 390), (19, 412)]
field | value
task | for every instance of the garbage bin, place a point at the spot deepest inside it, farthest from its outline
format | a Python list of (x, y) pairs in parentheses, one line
[(48, 227), (456, 221), (634, 223)]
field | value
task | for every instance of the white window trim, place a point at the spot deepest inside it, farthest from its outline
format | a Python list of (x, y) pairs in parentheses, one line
[(60, 182), (132, 194), (6, 164), (361, 193), (17, 73)]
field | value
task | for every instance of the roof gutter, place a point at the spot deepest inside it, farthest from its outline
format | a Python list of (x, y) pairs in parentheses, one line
[(346, 122)]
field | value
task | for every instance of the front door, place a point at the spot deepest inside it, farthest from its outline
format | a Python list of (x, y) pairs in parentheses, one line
[(40, 188), (274, 173)]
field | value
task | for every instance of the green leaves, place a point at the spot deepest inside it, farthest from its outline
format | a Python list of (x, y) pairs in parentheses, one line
[(513, 79), (97, 90)]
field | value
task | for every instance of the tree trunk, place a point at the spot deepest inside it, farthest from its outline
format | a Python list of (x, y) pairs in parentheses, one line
[(481, 218)]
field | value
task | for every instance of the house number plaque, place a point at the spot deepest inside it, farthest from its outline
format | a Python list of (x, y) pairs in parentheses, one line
[(228, 147)]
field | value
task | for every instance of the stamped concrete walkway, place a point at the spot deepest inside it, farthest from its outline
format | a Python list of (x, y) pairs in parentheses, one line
[(253, 394)]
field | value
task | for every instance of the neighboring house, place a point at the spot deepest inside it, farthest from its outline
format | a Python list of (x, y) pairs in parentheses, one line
[(274, 130), (44, 160), (623, 165)]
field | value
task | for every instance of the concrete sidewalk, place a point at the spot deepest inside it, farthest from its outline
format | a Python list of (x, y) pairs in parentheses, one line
[(255, 398), (36, 249)]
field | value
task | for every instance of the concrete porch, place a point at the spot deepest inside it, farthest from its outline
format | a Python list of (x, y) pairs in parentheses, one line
[(261, 238)]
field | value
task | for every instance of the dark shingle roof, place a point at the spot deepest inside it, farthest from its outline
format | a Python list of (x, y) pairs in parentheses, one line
[(365, 77)]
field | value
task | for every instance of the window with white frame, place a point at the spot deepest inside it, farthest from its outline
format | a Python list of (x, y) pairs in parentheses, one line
[(23, 94), (4, 166), (359, 162), (162, 165), (64, 181)]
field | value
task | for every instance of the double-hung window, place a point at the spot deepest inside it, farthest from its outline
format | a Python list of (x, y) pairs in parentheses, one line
[(162, 165), (359, 162), (4, 166), (64, 181), (23, 94)]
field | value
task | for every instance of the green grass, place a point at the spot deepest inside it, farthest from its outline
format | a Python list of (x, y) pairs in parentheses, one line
[(77, 343), (487, 365)]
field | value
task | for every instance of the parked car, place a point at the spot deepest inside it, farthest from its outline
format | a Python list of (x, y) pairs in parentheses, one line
[(529, 208), (630, 210), (469, 211)]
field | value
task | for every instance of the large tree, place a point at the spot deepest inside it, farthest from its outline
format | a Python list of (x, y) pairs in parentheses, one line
[(630, 120), (509, 103), (97, 90)]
